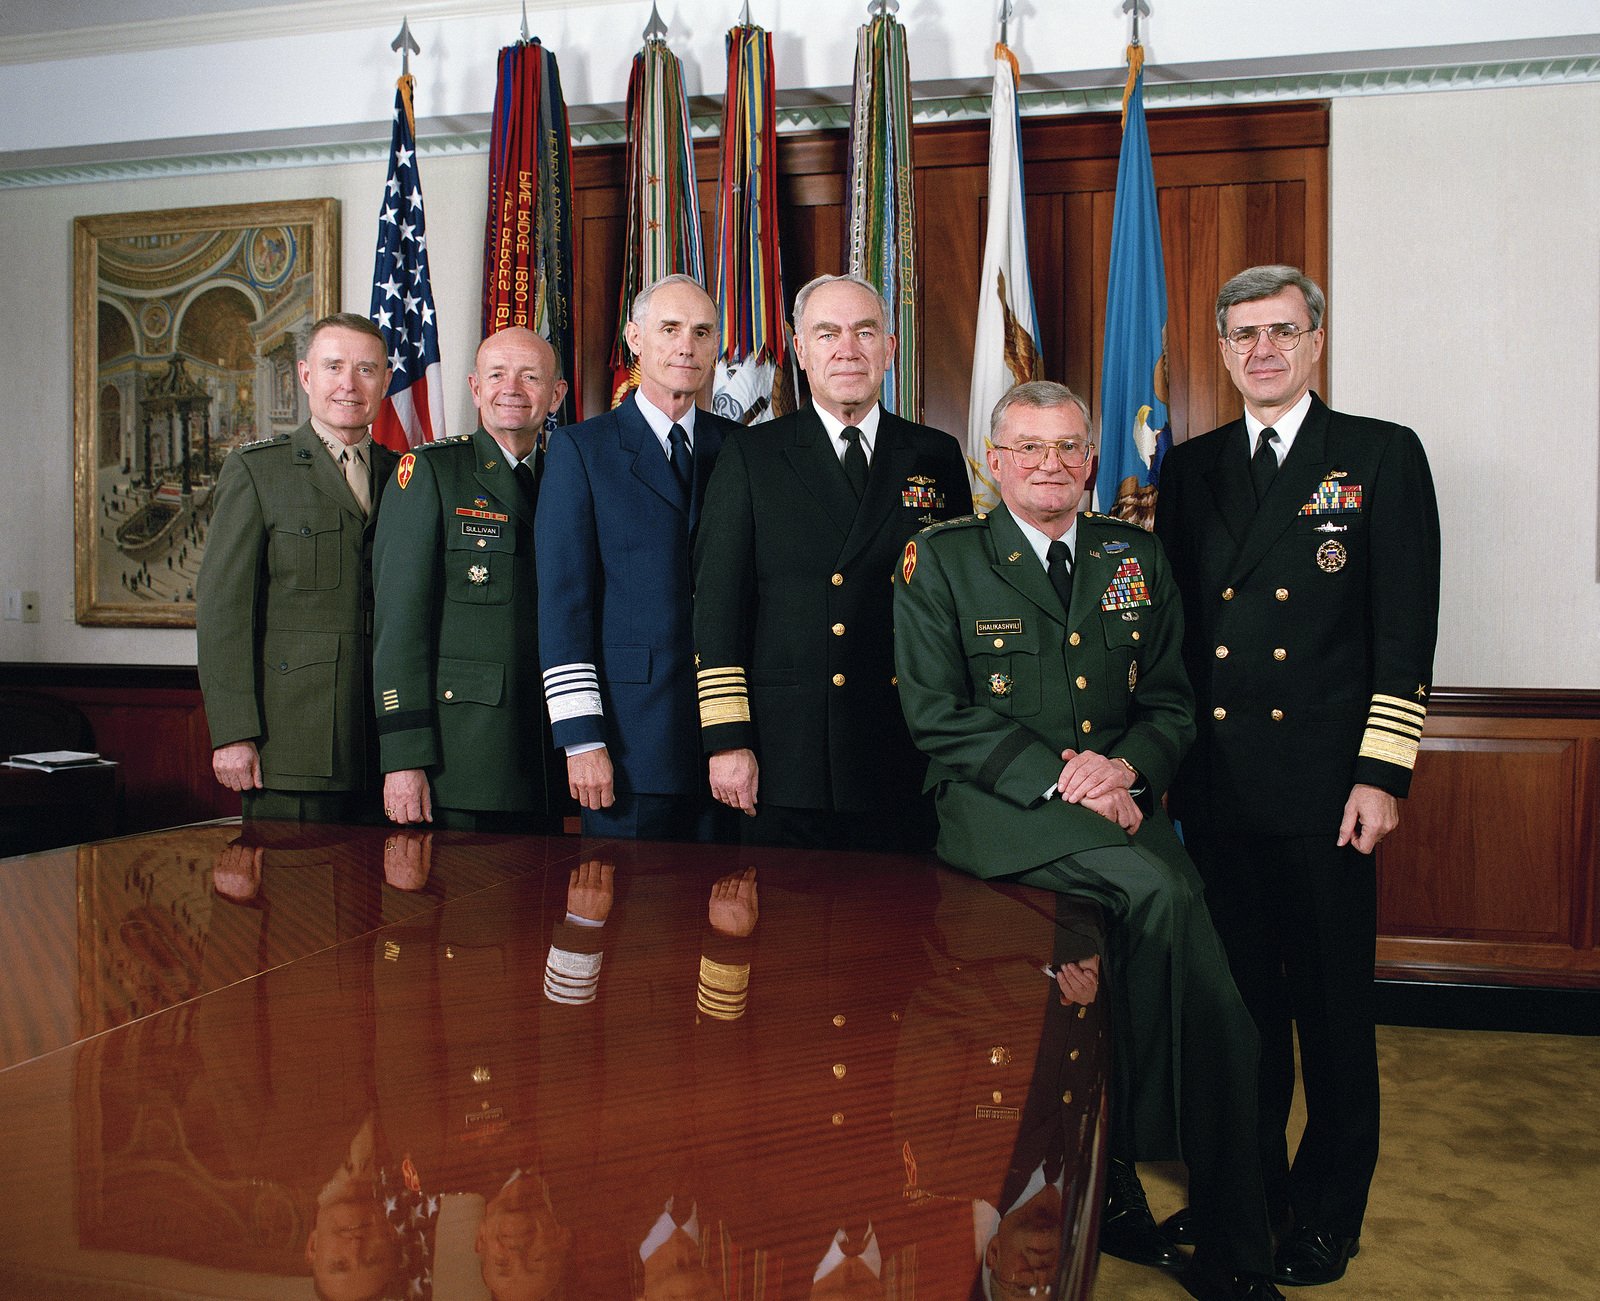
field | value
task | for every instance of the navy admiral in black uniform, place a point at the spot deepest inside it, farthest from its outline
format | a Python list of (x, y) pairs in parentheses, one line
[(1305, 543), (803, 523)]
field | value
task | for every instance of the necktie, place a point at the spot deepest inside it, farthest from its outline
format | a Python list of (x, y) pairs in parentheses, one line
[(682, 459), (1264, 464), (855, 460), (355, 474), (1058, 564), (525, 481)]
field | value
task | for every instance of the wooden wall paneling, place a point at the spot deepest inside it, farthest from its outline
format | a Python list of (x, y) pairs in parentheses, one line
[(952, 219)]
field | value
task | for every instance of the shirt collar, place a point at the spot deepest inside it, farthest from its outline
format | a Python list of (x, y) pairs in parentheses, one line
[(868, 426), (1286, 428), (871, 1255), (1041, 544), (661, 423), (336, 445)]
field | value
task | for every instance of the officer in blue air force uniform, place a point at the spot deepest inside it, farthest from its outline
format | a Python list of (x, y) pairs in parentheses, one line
[(1039, 662)]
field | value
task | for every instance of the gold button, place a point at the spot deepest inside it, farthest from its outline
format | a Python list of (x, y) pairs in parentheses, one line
[(1073, 1055), (838, 630), (1280, 654), (1067, 1097), (837, 580), (838, 679), (1227, 593), (999, 642), (895, 680), (1081, 681), (838, 1118), (482, 543), (449, 695), (1219, 713), (838, 1070), (839, 1019), (1082, 1011), (1282, 594), (1222, 652), (1136, 636), (998, 1096), (1074, 639), (1277, 715), (1087, 725)]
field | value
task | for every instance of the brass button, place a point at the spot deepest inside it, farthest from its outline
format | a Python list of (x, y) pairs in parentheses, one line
[(838, 1118), (482, 543), (1081, 682), (1074, 639), (1073, 1055), (305, 530), (999, 642), (1222, 652), (839, 1019), (1067, 1097), (449, 695), (1219, 713), (838, 630), (838, 1070), (838, 679), (1280, 654), (1227, 593), (1277, 715), (1087, 725), (895, 680), (1136, 635), (837, 580), (1282, 594)]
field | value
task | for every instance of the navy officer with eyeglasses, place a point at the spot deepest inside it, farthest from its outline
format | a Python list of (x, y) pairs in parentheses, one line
[(1038, 650), (1305, 544)]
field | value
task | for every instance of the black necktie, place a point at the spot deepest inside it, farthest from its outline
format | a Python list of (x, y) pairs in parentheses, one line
[(855, 460), (682, 458), (526, 482), (1264, 464), (1058, 564)]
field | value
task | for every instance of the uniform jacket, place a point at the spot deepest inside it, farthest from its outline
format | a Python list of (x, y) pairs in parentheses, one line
[(284, 612), (792, 615), (455, 659), (996, 681), (615, 636), (1311, 622)]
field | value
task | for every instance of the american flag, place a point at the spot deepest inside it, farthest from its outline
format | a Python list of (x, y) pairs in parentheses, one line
[(402, 297)]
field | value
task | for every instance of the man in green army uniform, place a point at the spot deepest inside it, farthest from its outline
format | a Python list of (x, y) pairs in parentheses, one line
[(284, 608), (461, 730), (1051, 700)]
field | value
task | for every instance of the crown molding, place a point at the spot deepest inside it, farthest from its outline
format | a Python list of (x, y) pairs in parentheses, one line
[(1532, 63)]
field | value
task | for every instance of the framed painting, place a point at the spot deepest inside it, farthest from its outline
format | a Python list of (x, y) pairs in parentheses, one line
[(186, 327)]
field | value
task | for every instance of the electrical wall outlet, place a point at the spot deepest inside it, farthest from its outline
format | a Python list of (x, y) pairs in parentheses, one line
[(30, 607), (13, 604)]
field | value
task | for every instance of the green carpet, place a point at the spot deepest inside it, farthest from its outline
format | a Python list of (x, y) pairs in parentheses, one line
[(1488, 1178)]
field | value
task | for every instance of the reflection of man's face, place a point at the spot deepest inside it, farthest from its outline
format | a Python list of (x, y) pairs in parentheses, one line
[(352, 1251), (852, 1281), (521, 1246), (674, 1272), (1027, 1247)]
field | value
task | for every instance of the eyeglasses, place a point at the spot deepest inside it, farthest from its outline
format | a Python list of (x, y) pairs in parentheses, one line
[(1074, 453), (1282, 336)]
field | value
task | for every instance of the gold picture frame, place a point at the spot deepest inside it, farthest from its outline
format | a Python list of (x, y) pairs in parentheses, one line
[(186, 327)]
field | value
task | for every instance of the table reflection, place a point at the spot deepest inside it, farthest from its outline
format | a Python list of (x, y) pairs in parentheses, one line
[(419, 1064)]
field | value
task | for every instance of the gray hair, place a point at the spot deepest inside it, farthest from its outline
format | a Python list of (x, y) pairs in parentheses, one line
[(849, 278), (1264, 282), (1041, 394), (641, 300), (346, 321)]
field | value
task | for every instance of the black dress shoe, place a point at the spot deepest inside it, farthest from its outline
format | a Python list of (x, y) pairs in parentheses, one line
[(1182, 1227), (1127, 1229), (1308, 1257), (1204, 1286)]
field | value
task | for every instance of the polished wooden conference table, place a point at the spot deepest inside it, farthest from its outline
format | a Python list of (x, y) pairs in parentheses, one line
[(279, 1062)]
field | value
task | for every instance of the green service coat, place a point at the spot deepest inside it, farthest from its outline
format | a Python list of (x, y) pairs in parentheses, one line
[(996, 681), (283, 612), (456, 654)]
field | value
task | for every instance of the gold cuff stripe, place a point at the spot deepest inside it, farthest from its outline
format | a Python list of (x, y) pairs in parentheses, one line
[(724, 990), (1399, 702), (1389, 748), (712, 677), (716, 712), (1406, 723), (724, 698)]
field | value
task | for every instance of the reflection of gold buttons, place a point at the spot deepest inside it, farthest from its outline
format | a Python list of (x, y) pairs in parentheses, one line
[(1280, 654), (837, 580), (894, 1016), (999, 1055), (998, 1096), (1087, 725), (1081, 682), (1227, 593), (999, 642), (838, 1070), (1282, 594), (1136, 635), (481, 1075), (1277, 715), (1222, 652), (1074, 639), (1219, 713), (839, 1019), (838, 1118), (838, 679), (449, 695), (838, 630)]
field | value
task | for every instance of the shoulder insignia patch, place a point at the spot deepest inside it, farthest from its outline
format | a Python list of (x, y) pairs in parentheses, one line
[(908, 563), (402, 474)]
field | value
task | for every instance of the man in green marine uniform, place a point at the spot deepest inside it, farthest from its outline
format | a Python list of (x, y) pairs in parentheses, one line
[(284, 609), (1038, 654), (461, 730)]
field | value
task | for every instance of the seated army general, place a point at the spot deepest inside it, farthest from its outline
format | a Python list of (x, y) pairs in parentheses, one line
[(1051, 700)]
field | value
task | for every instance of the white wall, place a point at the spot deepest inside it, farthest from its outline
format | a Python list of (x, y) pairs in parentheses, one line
[(1465, 302)]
